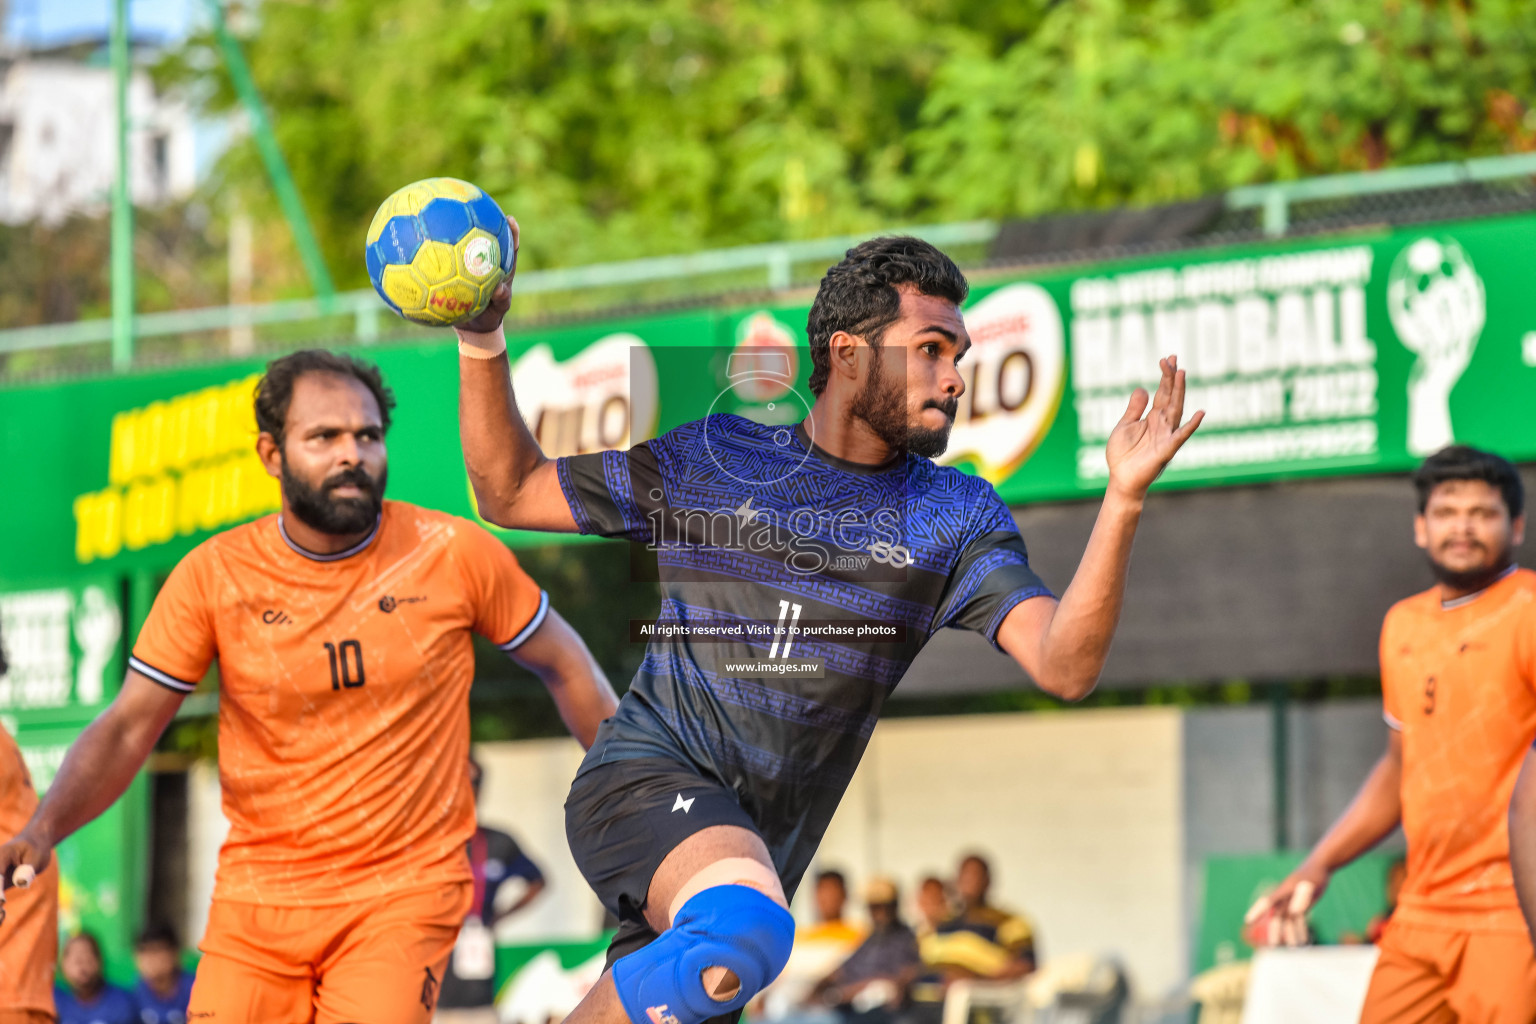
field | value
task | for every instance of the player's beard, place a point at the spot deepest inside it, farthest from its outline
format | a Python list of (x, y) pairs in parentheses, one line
[(1473, 580), (318, 509), (883, 405)]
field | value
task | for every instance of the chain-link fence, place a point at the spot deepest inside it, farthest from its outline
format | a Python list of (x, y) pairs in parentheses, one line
[(779, 272)]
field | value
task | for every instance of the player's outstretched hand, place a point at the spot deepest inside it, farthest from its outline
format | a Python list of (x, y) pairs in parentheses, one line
[(1279, 917), (21, 860), (501, 299), (1139, 447)]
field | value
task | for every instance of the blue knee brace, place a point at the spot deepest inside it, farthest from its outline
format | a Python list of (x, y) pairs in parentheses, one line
[(730, 926)]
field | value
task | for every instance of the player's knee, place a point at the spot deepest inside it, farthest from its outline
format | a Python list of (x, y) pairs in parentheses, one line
[(724, 947)]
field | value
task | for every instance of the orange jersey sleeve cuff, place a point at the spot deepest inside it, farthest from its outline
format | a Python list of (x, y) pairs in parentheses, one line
[(532, 627), (160, 676)]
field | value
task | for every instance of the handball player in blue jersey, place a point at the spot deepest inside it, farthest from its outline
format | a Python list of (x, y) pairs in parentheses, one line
[(703, 799)]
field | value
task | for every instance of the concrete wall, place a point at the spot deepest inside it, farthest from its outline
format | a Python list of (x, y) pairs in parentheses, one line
[(1229, 790), (1333, 748), (1079, 813)]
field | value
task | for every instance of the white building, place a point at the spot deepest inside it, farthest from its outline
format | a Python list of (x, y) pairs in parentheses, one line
[(58, 135)]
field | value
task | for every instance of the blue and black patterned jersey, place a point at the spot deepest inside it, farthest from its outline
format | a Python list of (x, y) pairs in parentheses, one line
[(796, 590)]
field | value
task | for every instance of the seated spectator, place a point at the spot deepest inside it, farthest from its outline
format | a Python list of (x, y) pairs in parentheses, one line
[(164, 989), (818, 949), (871, 985), (981, 941), (85, 997), (831, 902), (933, 907)]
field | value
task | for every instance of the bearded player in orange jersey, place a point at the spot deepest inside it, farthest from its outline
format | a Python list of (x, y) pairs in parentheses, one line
[(1458, 680), (342, 628)]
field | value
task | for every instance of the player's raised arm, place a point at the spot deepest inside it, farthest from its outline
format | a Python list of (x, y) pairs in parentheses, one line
[(1063, 645), (556, 654), (98, 768), (514, 481), (1522, 839)]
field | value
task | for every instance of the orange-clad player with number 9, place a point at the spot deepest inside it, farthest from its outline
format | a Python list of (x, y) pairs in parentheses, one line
[(1458, 681), (342, 629)]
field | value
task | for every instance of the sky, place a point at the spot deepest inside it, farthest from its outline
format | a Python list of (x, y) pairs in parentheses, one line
[(39, 22)]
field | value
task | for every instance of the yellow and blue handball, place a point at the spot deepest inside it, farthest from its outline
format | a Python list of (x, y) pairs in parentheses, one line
[(437, 249)]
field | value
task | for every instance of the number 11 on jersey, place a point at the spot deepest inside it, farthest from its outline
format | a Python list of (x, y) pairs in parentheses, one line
[(789, 637)]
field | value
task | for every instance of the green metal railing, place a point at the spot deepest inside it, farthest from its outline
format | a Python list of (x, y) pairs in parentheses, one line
[(775, 260), (1275, 200)]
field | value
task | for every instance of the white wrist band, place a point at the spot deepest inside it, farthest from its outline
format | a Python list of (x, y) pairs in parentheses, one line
[(482, 346)]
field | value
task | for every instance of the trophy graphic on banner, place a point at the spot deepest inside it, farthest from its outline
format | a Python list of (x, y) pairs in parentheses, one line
[(98, 625), (1438, 308)]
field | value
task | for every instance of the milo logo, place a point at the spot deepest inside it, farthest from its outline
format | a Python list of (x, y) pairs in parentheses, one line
[(603, 397), (1014, 375)]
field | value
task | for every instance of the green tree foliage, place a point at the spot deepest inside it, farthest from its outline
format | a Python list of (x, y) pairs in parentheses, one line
[(611, 128), (53, 272), (619, 128), (1122, 101), (614, 128), (58, 272)]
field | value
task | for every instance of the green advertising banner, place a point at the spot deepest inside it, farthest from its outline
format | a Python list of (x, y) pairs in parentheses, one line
[(64, 648), (1360, 353), (1347, 354), (1356, 354)]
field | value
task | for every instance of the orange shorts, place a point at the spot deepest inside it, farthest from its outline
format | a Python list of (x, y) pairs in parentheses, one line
[(378, 962), (29, 948), (1429, 976)]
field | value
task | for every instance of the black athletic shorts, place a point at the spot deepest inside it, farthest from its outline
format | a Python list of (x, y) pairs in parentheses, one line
[(623, 818)]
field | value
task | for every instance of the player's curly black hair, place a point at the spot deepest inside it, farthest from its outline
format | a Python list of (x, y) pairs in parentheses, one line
[(859, 295), (1463, 462), (275, 389)]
